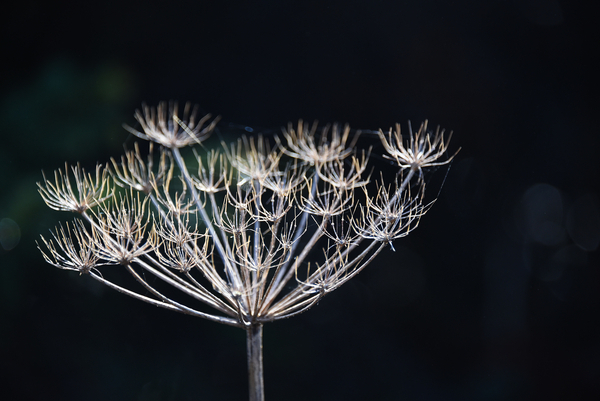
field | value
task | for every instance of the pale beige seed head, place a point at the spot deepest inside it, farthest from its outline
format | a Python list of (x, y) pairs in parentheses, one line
[(72, 247), (164, 125), (137, 173), (331, 145), (213, 173), (422, 149), (85, 192), (254, 160), (122, 228)]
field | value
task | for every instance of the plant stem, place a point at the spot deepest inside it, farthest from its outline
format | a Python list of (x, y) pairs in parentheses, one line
[(255, 362)]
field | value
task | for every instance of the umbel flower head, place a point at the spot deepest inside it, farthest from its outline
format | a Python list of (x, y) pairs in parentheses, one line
[(164, 125), (262, 230), (421, 150), (87, 191)]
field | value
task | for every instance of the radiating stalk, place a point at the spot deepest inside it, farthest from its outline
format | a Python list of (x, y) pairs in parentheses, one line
[(255, 362)]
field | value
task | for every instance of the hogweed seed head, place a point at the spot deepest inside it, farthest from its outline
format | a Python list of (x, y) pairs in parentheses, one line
[(165, 126), (87, 191), (422, 149), (259, 233), (253, 159), (121, 227), (302, 143), (73, 248), (390, 214), (134, 172), (346, 176), (214, 176), (263, 230)]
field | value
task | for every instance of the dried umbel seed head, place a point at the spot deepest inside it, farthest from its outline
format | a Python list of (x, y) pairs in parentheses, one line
[(135, 172), (72, 248), (164, 125), (304, 143), (84, 193), (262, 230), (236, 233), (422, 149)]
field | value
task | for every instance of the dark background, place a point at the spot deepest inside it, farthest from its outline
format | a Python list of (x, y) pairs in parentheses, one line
[(496, 296)]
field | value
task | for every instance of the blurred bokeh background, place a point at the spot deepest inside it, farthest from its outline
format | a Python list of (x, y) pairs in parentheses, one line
[(496, 296)]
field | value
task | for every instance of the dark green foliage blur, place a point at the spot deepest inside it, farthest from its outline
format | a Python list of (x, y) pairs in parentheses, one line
[(63, 112)]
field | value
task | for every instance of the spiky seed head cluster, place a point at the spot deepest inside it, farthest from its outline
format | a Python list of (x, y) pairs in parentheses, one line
[(260, 233), (164, 125), (303, 143), (87, 191), (422, 149), (136, 173)]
